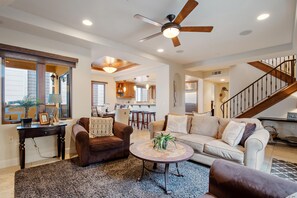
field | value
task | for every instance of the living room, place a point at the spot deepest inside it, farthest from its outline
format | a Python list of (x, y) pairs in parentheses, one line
[(56, 28)]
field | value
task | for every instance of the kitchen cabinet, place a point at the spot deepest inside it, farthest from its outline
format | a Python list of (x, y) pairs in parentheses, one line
[(125, 90)]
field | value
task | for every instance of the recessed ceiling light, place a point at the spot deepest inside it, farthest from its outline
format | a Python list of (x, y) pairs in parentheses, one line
[(263, 16), (222, 80), (87, 22), (160, 50)]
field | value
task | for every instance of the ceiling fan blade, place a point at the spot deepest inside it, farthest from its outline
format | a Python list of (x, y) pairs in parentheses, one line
[(175, 41), (150, 37), (187, 9), (196, 29), (147, 20)]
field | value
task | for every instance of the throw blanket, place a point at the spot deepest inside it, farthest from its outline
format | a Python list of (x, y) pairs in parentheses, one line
[(100, 127)]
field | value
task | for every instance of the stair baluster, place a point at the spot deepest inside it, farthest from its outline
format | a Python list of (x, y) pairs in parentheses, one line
[(252, 95)]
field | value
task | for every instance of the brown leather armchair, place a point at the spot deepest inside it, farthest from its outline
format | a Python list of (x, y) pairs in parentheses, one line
[(98, 149), (230, 180)]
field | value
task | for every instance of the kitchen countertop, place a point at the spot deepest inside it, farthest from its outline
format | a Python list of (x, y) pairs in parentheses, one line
[(139, 104)]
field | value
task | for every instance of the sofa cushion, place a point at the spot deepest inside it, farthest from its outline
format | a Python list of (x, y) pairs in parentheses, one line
[(248, 131), (177, 123), (105, 143), (174, 134), (233, 133), (189, 121), (100, 127), (223, 122), (195, 141), (250, 120), (205, 125), (223, 150)]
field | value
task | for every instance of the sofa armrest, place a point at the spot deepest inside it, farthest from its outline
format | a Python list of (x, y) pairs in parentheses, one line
[(255, 149), (228, 179), (155, 127), (81, 137)]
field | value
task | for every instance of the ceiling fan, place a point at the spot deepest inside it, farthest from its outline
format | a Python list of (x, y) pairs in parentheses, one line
[(173, 27)]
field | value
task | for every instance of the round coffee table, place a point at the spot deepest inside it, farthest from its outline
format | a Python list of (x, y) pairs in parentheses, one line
[(173, 154)]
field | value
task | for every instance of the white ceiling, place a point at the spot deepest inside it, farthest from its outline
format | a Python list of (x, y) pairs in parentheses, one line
[(114, 21)]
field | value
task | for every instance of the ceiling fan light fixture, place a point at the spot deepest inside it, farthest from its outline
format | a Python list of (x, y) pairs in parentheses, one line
[(171, 32), (109, 69)]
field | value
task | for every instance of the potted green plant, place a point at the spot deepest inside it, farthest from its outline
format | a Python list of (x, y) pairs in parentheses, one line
[(161, 141), (26, 103)]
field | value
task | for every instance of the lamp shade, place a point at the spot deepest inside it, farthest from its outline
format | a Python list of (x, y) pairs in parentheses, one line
[(54, 98)]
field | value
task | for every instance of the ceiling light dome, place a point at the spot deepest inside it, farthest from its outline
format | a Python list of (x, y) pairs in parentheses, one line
[(170, 30), (109, 69)]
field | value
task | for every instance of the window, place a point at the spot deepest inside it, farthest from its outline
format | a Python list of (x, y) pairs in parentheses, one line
[(191, 97), (141, 94), (19, 81), (98, 93), (37, 75)]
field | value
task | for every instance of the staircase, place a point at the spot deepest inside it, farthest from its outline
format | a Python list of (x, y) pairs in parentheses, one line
[(278, 83)]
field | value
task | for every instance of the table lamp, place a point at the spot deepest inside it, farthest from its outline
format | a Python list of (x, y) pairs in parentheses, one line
[(56, 99)]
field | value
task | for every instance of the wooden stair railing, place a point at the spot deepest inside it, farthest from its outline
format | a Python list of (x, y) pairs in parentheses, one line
[(266, 68), (258, 91), (270, 101)]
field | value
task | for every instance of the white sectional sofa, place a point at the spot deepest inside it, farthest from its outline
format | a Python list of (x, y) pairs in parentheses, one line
[(204, 135)]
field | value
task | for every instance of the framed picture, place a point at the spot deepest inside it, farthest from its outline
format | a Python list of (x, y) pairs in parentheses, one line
[(43, 118)]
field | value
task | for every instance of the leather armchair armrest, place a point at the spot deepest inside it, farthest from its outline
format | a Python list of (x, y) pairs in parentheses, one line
[(82, 143), (155, 127), (122, 131)]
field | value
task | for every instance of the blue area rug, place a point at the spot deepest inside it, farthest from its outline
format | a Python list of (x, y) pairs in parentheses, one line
[(111, 179)]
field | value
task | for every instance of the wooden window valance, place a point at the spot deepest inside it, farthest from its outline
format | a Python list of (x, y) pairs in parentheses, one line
[(9, 51)]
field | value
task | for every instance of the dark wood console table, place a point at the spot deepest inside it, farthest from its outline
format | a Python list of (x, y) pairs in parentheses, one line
[(292, 140), (37, 130)]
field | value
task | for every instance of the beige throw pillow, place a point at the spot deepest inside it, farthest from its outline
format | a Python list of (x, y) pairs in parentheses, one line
[(233, 133), (205, 125), (177, 123), (99, 127)]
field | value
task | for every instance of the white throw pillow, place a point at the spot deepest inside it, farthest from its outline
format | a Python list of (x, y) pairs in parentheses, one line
[(205, 125), (233, 133), (99, 127), (177, 123)]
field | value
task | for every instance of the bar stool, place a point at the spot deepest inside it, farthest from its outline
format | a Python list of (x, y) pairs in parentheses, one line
[(135, 118), (147, 118)]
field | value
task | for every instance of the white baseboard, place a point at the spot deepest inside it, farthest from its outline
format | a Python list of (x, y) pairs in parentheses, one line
[(31, 158)]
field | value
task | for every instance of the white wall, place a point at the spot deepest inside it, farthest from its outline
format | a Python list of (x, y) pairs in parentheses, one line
[(81, 98), (110, 88), (208, 95), (241, 76), (217, 102), (177, 74)]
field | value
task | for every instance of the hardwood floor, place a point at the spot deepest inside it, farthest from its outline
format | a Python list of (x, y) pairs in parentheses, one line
[(279, 151)]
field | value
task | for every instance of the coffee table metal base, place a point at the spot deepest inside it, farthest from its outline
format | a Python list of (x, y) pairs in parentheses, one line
[(165, 173)]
